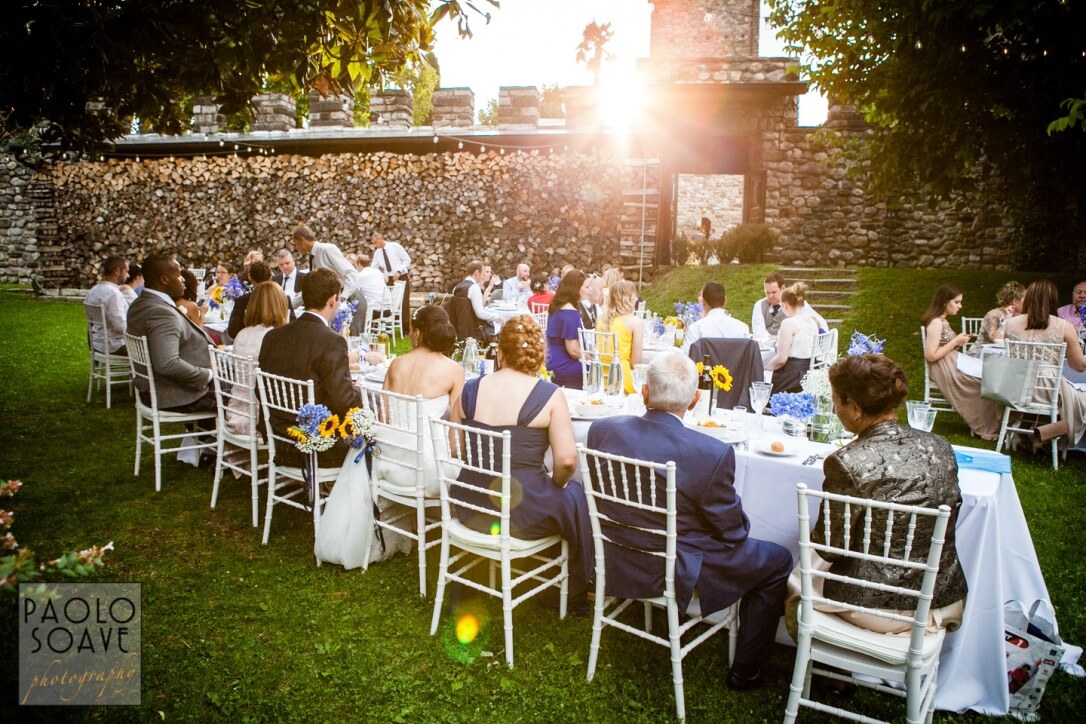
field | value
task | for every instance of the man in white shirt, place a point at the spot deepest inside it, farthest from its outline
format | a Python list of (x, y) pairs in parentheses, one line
[(766, 317), (327, 256), (518, 288), (392, 260), (107, 294), (715, 322), (591, 299)]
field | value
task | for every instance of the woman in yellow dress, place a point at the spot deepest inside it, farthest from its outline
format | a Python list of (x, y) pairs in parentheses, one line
[(618, 317)]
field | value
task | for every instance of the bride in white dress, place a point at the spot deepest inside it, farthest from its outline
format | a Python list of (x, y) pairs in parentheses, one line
[(347, 522)]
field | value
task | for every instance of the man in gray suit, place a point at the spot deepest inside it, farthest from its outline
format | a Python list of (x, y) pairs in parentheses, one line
[(178, 348)]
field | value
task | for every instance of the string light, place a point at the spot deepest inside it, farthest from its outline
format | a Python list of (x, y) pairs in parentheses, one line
[(435, 139), (460, 146)]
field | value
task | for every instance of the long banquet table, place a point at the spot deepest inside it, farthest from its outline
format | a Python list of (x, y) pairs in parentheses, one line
[(994, 547)]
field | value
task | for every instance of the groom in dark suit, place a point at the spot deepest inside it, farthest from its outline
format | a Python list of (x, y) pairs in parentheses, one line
[(715, 555), (308, 349), (178, 348)]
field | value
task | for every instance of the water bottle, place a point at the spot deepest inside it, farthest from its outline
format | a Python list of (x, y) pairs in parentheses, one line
[(615, 384), (471, 355)]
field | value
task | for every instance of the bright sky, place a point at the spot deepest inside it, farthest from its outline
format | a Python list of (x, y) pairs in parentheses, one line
[(534, 42)]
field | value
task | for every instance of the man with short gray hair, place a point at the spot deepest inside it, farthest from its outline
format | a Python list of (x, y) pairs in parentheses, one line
[(715, 554)]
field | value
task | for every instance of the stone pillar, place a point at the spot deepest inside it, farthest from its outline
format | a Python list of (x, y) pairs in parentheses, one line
[(705, 29), (273, 112), (518, 106), (392, 108), (582, 106), (205, 115), (454, 108), (331, 112)]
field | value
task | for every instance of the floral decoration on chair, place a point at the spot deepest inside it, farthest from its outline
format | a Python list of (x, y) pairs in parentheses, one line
[(344, 316), (863, 344), (226, 292)]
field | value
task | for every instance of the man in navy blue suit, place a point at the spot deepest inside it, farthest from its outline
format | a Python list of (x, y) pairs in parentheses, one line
[(715, 555)]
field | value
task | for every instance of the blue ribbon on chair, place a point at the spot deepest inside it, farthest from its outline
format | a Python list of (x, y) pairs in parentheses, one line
[(986, 460), (369, 450)]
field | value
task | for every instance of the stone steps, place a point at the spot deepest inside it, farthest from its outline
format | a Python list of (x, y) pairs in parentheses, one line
[(830, 290)]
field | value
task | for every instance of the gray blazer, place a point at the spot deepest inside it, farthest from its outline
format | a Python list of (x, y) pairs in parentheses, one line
[(178, 349), (896, 464)]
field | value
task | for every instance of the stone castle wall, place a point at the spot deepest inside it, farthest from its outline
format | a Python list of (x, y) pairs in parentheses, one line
[(18, 228), (705, 29), (545, 209)]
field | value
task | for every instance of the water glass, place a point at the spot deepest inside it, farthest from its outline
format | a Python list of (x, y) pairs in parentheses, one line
[(915, 411), (923, 419), (640, 374), (759, 397)]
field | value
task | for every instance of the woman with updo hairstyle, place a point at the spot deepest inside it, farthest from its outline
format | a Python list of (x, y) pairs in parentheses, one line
[(891, 463), (1008, 305), (541, 294), (795, 342), (536, 414), (347, 529)]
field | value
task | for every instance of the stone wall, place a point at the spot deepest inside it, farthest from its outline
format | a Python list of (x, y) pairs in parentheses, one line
[(825, 218), (546, 209), (18, 229), (719, 198), (708, 28)]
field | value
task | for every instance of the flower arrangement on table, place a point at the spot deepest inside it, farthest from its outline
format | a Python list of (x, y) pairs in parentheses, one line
[(688, 312), (799, 405), (228, 292), (341, 323), (863, 344), (817, 383), (552, 283), (721, 376)]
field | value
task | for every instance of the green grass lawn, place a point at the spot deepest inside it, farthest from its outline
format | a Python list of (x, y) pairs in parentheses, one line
[(239, 631)]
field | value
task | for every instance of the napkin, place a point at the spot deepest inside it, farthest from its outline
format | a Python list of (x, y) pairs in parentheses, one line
[(971, 458)]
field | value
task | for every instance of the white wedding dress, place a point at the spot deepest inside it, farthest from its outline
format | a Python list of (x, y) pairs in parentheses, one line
[(347, 520)]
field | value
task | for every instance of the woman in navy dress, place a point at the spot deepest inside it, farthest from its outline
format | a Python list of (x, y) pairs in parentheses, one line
[(537, 415), (563, 321)]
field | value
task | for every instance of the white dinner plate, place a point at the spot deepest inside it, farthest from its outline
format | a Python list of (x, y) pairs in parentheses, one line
[(790, 448), (592, 412), (725, 433)]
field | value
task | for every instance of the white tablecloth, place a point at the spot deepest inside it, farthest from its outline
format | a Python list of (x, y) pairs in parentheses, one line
[(993, 543)]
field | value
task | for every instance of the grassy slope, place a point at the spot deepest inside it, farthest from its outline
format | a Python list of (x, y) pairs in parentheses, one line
[(236, 630)]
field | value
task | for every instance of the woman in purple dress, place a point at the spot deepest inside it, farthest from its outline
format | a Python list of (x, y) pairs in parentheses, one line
[(563, 321)]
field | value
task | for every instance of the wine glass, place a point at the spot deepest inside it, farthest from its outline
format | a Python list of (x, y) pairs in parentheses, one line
[(759, 398)]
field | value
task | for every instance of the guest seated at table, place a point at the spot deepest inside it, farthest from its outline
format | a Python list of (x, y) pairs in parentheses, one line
[(347, 520), (618, 317), (591, 301), (892, 463), (1075, 312), (427, 370), (715, 320), (266, 309), (107, 294), (1008, 304), (535, 412), (563, 321), (541, 294), (133, 283), (466, 307), (177, 346), (518, 287), (716, 556), (941, 354), (259, 272), (253, 256), (795, 342), (1038, 323), (223, 274), (189, 304), (308, 349)]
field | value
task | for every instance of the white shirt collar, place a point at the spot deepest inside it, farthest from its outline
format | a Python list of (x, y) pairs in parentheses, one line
[(161, 295), (318, 316)]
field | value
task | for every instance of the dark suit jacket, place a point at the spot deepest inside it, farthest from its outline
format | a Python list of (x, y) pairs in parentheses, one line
[(178, 350), (586, 318), (742, 358), (306, 349), (712, 528), (277, 277), (895, 464)]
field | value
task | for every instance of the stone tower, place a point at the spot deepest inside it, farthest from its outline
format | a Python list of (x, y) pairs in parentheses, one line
[(687, 29)]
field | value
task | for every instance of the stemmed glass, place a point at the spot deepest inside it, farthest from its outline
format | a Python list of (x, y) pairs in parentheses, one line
[(759, 398)]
